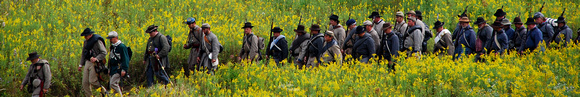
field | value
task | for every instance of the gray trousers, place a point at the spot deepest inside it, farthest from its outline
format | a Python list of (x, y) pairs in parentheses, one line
[(114, 83), (89, 78)]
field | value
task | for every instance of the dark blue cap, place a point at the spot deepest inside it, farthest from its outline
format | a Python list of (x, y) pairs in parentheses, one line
[(189, 20), (350, 22)]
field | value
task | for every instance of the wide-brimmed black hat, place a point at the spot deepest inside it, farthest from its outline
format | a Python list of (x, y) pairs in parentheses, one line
[(561, 20), (315, 27), (334, 17), (479, 20), (360, 29), (87, 31), (438, 24), (418, 13), (300, 29), (374, 14), (499, 13), (517, 20), (151, 28), (248, 25), (32, 55), (277, 29), (497, 24), (530, 21)]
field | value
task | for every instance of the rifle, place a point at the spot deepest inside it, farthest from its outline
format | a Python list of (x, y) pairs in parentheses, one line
[(270, 42), (556, 34), (542, 7)]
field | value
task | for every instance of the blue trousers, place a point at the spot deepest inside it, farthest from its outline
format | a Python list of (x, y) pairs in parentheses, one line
[(160, 75), (460, 50)]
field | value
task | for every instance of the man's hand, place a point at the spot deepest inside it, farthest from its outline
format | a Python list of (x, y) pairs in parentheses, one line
[(213, 60), (184, 45), (157, 56), (80, 68), (123, 73), (197, 59), (144, 62), (45, 90), (21, 86), (93, 59), (239, 58)]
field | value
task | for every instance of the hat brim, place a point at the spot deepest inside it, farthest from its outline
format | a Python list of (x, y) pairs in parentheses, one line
[(479, 22), (560, 21), (529, 23), (499, 14), (277, 31), (32, 57), (315, 29), (110, 37), (300, 31), (247, 27)]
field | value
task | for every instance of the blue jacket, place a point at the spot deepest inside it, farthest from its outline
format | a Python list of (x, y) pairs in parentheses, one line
[(389, 46), (364, 46), (534, 38), (280, 50), (466, 37), (502, 40)]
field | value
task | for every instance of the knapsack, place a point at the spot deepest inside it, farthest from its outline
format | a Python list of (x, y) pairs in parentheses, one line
[(261, 46), (170, 41), (130, 53)]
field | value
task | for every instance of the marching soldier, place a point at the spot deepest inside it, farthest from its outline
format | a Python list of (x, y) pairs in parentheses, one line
[(443, 39), (249, 48), (331, 50), (564, 33), (465, 39), (520, 34), (545, 27), (194, 39), (314, 47), (499, 41), (507, 28), (211, 47), (38, 77), (93, 54), (484, 33), (400, 27), (279, 47), (155, 56), (414, 38), (350, 38), (338, 30), (374, 34), (389, 45), (118, 61), (364, 47), (377, 23), (299, 45), (534, 37)]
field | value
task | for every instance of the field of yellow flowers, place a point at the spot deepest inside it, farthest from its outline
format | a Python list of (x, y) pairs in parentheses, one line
[(53, 27)]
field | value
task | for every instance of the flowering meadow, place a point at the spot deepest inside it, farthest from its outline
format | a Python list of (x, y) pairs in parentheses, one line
[(52, 28)]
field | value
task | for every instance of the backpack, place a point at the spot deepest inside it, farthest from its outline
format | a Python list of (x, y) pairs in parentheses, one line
[(129, 52), (261, 46), (170, 41)]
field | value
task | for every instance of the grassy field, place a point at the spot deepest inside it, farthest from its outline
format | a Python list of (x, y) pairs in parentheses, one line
[(53, 27)]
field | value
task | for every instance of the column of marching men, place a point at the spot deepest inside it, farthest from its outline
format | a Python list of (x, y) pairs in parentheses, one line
[(372, 39)]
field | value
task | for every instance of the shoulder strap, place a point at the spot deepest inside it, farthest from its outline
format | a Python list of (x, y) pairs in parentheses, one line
[(496, 43)]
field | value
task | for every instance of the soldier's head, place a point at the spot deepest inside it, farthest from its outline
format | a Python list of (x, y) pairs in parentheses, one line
[(152, 30), (438, 26), (411, 14), (205, 28), (277, 31), (399, 17), (314, 29), (113, 37), (497, 26), (33, 57), (368, 25), (375, 16), (464, 22), (499, 14), (328, 36), (530, 23), (190, 22), (247, 28), (87, 33), (351, 23), (561, 21), (360, 31), (387, 27), (506, 23), (300, 30), (518, 22), (412, 21), (539, 18), (333, 20)]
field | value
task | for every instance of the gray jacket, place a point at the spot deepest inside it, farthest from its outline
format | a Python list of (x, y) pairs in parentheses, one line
[(375, 37), (194, 39), (547, 32), (36, 76), (363, 47), (98, 49), (339, 33), (159, 41), (414, 38), (209, 46), (378, 27), (249, 48), (564, 33)]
